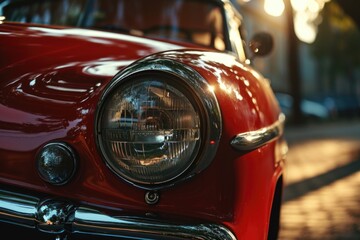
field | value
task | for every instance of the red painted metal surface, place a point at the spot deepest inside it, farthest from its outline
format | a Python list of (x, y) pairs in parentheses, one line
[(51, 80)]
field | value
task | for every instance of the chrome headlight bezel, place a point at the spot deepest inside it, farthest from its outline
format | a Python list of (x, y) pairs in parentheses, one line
[(198, 92)]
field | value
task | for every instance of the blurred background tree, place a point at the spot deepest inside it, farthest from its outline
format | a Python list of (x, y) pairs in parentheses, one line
[(336, 49)]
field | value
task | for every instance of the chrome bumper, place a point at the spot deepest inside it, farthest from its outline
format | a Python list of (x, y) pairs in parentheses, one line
[(63, 218)]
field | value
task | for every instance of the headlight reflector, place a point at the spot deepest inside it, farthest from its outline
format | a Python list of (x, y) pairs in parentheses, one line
[(150, 128)]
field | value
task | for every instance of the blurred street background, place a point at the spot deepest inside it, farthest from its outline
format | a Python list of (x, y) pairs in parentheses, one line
[(315, 73), (314, 67), (322, 190)]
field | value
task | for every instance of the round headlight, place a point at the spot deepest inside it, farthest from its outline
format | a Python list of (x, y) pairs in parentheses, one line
[(149, 128), (56, 163)]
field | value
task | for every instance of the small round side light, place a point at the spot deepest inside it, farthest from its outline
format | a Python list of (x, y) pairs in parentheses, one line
[(56, 163)]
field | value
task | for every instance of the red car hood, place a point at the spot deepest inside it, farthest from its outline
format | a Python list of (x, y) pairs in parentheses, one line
[(51, 78), (30, 44)]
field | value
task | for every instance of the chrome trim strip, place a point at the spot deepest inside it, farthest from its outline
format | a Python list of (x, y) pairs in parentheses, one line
[(254, 139), (18, 209), (65, 218), (92, 222)]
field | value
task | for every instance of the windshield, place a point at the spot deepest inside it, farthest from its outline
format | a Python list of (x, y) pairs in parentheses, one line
[(199, 22)]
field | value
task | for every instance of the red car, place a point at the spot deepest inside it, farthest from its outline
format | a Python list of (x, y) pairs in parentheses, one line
[(135, 119)]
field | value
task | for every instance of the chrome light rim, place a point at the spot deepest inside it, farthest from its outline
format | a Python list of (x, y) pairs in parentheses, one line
[(207, 102)]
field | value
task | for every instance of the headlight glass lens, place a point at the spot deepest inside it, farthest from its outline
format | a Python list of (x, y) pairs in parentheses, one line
[(149, 129)]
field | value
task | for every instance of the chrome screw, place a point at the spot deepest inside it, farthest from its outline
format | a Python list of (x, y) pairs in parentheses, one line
[(151, 197)]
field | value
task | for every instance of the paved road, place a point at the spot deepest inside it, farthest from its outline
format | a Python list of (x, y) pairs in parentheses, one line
[(322, 191)]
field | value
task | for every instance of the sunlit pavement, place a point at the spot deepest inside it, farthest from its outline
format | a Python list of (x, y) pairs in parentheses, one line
[(322, 191)]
